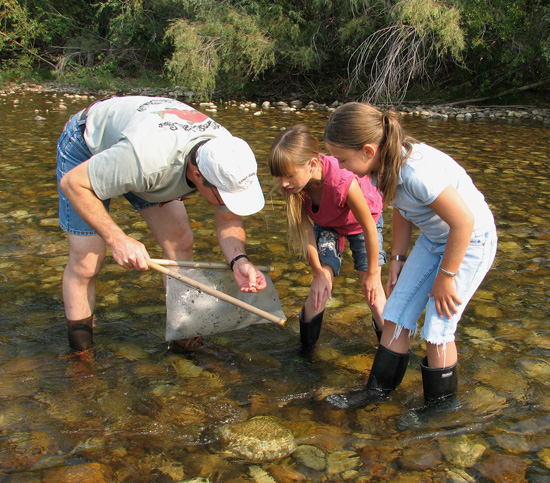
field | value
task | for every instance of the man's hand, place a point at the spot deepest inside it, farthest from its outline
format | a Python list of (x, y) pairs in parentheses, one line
[(248, 277), (129, 253)]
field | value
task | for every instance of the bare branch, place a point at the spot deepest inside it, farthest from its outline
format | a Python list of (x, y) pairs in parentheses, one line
[(396, 55)]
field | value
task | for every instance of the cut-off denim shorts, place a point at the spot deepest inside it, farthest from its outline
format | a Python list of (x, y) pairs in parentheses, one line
[(72, 151), (409, 297), (329, 255)]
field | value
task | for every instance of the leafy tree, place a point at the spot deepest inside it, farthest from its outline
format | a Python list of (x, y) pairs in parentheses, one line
[(508, 42), (374, 49), (18, 33), (220, 47)]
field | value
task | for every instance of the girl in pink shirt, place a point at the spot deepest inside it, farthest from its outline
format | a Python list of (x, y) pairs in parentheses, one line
[(341, 206)]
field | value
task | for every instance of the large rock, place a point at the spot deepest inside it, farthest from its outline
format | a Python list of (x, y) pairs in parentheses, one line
[(258, 439)]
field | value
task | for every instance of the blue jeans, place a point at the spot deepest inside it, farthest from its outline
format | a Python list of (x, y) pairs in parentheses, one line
[(409, 297), (329, 254), (72, 151)]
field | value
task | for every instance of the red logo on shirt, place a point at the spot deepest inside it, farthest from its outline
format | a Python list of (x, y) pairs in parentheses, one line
[(190, 115)]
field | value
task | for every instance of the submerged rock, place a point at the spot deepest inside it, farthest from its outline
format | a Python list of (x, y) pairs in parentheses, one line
[(311, 457), (342, 461), (504, 468), (258, 439), (419, 457), (463, 451), (84, 473), (544, 457)]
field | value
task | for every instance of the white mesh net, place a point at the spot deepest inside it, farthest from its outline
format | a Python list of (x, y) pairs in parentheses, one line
[(193, 313)]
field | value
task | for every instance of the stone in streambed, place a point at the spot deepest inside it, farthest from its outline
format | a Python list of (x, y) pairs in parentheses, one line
[(259, 439)]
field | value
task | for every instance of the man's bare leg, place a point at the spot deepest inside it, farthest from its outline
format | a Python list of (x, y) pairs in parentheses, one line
[(86, 256)]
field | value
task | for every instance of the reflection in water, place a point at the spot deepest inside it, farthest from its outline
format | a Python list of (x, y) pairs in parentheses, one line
[(134, 410)]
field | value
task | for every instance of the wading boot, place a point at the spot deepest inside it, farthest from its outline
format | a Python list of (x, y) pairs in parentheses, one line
[(440, 387), (81, 333), (309, 331), (377, 331), (386, 374), (440, 384)]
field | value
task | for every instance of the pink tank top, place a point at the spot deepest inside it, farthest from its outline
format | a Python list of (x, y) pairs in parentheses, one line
[(332, 211)]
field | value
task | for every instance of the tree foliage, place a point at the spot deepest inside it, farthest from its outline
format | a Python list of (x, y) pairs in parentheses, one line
[(219, 48), (18, 31), (370, 49)]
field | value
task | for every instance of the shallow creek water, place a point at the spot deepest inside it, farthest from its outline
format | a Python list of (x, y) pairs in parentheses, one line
[(135, 410)]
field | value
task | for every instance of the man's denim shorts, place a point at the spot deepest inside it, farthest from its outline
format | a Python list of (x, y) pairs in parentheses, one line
[(409, 297), (329, 254), (72, 151)]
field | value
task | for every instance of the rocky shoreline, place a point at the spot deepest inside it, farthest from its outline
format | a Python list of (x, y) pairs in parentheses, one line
[(431, 111)]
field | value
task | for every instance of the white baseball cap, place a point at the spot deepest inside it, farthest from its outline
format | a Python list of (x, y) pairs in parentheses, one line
[(230, 165)]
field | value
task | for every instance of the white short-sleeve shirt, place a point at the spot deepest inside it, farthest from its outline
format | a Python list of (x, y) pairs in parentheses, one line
[(141, 145), (424, 176)]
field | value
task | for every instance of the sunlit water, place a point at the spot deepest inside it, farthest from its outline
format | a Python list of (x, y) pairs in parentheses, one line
[(134, 410)]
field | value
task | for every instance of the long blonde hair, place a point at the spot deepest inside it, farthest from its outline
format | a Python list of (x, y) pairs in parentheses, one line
[(355, 124), (293, 147)]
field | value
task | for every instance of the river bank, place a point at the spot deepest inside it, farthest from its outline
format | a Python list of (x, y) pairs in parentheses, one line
[(416, 108)]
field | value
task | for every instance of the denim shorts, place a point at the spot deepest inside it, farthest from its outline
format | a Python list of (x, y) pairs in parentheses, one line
[(72, 151), (329, 253), (409, 297)]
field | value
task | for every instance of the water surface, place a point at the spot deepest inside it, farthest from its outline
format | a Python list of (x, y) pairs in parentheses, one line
[(134, 410)]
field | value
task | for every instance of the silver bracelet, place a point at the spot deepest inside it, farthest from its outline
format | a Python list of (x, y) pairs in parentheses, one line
[(446, 272), (398, 258)]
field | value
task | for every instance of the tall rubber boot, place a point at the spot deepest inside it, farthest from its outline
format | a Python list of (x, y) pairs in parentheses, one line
[(377, 331), (386, 374), (309, 331), (440, 384), (81, 333)]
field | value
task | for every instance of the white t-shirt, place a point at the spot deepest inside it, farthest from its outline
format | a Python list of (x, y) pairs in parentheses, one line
[(426, 173), (141, 145)]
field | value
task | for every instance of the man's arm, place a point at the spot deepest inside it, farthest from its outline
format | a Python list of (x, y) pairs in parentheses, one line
[(126, 251), (232, 240)]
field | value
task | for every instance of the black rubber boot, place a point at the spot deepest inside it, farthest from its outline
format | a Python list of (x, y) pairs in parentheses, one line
[(440, 387), (81, 333), (386, 374), (309, 331), (440, 384), (377, 331)]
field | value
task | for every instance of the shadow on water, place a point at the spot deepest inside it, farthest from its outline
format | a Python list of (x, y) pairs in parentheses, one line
[(135, 410)]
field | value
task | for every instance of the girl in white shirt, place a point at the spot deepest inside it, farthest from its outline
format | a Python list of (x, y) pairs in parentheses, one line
[(448, 262)]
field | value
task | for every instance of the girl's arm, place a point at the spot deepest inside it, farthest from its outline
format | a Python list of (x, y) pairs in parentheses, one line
[(401, 239), (451, 208), (321, 287), (358, 205)]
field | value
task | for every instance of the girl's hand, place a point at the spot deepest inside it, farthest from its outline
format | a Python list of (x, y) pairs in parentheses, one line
[(321, 289), (369, 285), (445, 296), (393, 274)]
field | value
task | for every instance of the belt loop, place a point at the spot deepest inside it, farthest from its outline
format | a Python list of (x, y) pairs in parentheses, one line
[(82, 116)]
